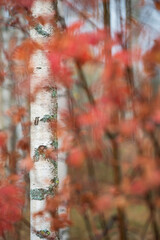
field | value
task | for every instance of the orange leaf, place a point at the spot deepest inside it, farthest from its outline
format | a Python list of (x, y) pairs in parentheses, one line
[(76, 157)]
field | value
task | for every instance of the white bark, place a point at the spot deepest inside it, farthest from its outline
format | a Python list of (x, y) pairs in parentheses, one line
[(43, 171)]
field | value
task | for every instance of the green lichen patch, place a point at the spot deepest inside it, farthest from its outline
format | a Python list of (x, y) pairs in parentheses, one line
[(43, 233), (48, 118), (54, 92), (54, 143), (55, 164), (41, 31), (41, 193), (36, 155)]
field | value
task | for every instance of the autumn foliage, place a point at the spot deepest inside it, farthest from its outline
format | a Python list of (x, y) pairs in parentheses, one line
[(110, 128)]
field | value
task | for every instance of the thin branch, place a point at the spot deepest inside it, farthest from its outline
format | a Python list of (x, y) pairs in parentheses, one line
[(152, 210), (84, 83), (3, 236), (117, 181), (58, 17), (106, 13), (145, 228), (109, 225), (80, 13), (26, 222), (88, 226)]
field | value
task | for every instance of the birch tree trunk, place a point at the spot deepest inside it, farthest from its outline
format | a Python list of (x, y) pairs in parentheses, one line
[(43, 177)]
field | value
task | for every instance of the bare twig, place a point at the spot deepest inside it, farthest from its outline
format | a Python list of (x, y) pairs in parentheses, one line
[(88, 226), (152, 210), (145, 228), (84, 83), (117, 181), (80, 13)]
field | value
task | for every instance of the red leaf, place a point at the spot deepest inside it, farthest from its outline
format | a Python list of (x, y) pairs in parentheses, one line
[(156, 117), (103, 202), (3, 139), (138, 187), (76, 157), (16, 113), (23, 3), (123, 57), (61, 73), (128, 127), (91, 119), (75, 26), (26, 163), (11, 202)]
